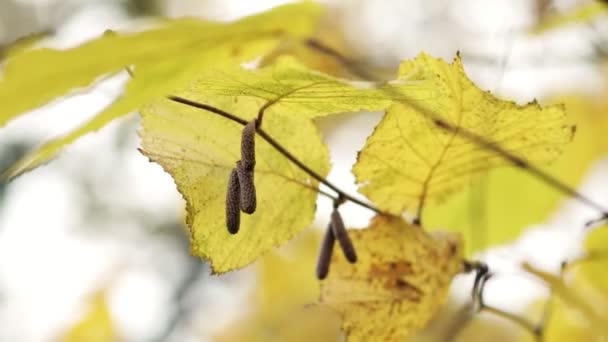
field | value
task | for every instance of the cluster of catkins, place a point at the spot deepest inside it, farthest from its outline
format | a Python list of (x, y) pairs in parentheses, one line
[(241, 188), (335, 231), (241, 197)]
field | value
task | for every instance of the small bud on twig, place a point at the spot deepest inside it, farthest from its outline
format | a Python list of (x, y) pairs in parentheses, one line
[(327, 248), (233, 213), (341, 235), (247, 185)]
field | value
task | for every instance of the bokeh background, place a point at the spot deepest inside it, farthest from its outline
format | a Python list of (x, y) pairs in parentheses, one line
[(93, 243)]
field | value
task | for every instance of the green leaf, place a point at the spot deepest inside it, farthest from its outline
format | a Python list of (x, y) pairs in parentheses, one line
[(410, 161), (165, 59)]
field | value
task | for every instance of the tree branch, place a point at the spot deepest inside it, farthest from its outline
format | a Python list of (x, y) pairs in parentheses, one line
[(269, 139)]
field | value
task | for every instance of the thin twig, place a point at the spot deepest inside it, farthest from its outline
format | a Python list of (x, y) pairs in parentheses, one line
[(595, 221), (269, 139), (473, 137)]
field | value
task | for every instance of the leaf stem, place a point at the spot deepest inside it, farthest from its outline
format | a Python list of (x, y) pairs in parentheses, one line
[(475, 138), (277, 146)]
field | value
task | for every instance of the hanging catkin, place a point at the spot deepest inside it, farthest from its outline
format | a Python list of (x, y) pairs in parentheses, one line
[(327, 248), (341, 235), (233, 212)]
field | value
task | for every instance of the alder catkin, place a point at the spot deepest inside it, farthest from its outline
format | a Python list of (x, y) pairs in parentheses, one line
[(341, 235), (248, 146), (247, 186), (233, 212), (327, 248)]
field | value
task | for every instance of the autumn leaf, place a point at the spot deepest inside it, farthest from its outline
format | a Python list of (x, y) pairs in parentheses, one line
[(400, 281), (410, 161), (95, 325), (199, 149), (164, 59), (490, 212)]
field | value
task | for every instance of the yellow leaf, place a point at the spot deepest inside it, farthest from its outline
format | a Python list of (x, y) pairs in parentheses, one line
[(500, 204), (409, 160), (199, 149), (164, 59), (95, 326), (400, 281)]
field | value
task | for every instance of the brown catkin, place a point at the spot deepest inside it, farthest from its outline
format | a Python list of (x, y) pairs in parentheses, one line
[(248, 146), (341, 235), (233, 212), (327, 248), (247, 185)]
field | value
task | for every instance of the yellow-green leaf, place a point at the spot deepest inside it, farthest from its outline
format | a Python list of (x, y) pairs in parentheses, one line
[(164, 59), (288, 88), (409, 160), (500, 204), (199, 149), (400, 281)]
